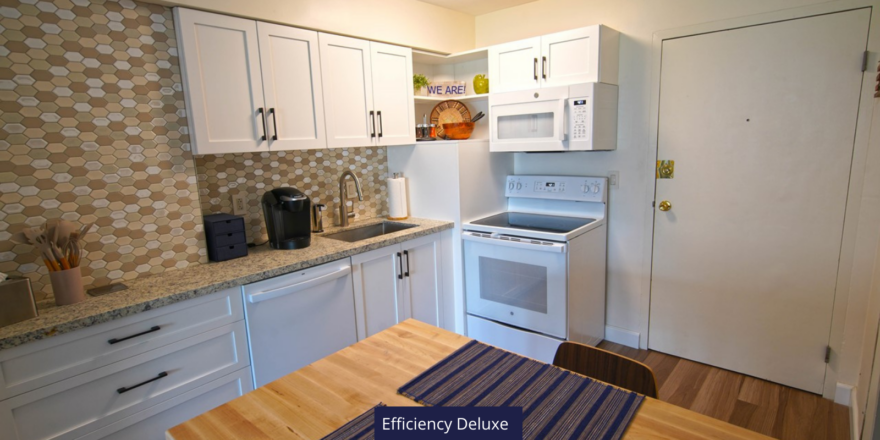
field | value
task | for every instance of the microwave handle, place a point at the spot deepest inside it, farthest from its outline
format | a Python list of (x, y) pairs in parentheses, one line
[(556, 248)]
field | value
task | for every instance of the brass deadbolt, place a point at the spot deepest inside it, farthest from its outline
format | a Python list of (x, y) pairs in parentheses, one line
[(665, 169)]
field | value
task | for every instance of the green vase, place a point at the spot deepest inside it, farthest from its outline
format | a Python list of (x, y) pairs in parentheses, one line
[(481, 84)]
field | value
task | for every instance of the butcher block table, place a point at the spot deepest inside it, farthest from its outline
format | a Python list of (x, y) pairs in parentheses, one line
[(314, 401)]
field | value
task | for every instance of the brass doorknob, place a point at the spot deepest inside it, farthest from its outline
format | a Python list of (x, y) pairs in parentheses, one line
[(665, 205)]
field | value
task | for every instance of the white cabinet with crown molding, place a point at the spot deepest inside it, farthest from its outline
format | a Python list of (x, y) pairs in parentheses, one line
[(249, 86), (581, 55), (368, 92)]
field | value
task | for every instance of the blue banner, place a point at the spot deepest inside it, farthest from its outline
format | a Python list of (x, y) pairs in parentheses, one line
[(427, 423)]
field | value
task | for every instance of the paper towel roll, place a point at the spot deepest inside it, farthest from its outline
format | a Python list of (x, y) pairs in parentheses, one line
[(397, 209)]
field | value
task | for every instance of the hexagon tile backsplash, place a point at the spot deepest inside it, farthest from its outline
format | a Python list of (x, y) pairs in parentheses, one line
[(93, 128), (314, 172)]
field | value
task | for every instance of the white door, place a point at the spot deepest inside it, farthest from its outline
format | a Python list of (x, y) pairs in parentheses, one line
[(570, 57), (393, 94), (760, 123), (421, 278), (348, 91), (515, 66), (294, 99), (222, 84), (378, 291)]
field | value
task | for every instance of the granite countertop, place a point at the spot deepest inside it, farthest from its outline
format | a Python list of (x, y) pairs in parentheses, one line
[(150, 292)]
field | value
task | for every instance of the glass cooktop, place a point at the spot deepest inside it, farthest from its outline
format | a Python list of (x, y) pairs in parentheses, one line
[(534, 222)]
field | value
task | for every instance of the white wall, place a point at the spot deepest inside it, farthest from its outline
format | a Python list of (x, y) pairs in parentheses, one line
[(404, 22), (638, 20)]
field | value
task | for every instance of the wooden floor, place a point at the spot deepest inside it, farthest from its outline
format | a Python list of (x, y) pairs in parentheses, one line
[(771, 409)]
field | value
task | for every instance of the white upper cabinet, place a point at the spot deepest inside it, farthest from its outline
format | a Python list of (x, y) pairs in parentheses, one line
[(582, 55), (393, 94), (348, 96), (222, 83), (292, 88), (250, 86), (515, 66), (368, 94)]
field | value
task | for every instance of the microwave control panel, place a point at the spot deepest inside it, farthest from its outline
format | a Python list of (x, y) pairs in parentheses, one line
[(580, 119), (586, 189)]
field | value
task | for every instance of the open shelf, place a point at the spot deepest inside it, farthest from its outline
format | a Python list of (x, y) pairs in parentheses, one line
[(423, 57), (474, 98)]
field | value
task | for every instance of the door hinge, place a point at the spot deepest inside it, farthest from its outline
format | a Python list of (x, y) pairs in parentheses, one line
[(865, 61), (827, 354)]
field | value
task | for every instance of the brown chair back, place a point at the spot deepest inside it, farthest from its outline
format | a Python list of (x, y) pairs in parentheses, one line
[(607, 367)]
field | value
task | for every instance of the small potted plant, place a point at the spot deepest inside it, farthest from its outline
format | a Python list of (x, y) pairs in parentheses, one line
[(420, 84)]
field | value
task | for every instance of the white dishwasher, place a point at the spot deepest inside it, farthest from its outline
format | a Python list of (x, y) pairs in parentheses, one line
[(298, 318)]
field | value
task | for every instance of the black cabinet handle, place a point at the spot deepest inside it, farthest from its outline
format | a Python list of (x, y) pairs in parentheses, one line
[(544, 67), (265, 123), (373, 118), (152, 329), (125, 390), (274, 124), (379, 114), (536, 69), (406, 254), (400, 262)]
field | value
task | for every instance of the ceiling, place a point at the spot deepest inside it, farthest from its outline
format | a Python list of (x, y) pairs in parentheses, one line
[(477, 7)]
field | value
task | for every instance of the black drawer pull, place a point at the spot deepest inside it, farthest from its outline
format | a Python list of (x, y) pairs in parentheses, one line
[(400, 262), (125, 390), (152, 329), (406, 254)]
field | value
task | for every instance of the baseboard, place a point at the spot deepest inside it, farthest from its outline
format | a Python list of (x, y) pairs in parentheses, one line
[(855, 426), (846, 395), (843, 394), (621, 336)]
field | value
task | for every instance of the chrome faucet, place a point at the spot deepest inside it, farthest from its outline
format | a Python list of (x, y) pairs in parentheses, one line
[(343, 195)]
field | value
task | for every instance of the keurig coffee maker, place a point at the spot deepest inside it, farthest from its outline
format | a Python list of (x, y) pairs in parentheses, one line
[(287, 212)]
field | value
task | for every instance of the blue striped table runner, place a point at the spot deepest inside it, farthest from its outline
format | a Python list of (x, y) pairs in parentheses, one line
[(361, 428), (557, 404)]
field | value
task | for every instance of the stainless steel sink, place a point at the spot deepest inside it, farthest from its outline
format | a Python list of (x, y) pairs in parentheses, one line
[(366, 232)]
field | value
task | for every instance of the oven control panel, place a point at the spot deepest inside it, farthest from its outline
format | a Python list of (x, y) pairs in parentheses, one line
[(586, 189)]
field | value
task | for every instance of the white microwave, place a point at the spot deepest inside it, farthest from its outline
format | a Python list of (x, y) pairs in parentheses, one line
[(580, 117)]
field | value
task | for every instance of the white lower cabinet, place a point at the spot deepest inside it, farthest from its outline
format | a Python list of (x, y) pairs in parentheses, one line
[(151, 424), (167, 357), (396, 283)]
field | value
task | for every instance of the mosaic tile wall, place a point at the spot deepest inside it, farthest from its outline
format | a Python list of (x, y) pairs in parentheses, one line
[(92, 128), (315, 172)]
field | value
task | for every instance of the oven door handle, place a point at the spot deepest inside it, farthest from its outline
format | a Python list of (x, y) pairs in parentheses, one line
[(556, 248)]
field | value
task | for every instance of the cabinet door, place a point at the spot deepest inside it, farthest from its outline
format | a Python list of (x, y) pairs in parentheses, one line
[(515, 66), (348, 91), (378, 291), (421, 263), (570, 57), (294, 99), (393, 94), (222, 84)]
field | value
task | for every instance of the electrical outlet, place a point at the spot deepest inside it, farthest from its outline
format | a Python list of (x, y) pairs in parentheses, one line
[(239, 204), (613, 178), (351, 189)]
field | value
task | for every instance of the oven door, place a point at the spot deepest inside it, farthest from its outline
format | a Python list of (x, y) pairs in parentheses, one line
[(517, 282)]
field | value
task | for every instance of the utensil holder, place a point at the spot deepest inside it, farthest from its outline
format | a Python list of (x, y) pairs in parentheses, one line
[(67, 286)]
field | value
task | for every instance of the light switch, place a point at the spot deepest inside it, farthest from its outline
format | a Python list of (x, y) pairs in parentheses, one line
[(613, 178)]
